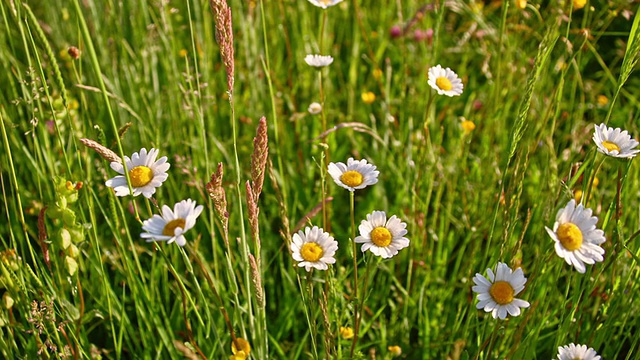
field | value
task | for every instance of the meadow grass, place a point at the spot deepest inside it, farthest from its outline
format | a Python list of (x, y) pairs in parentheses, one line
[(78, 280)]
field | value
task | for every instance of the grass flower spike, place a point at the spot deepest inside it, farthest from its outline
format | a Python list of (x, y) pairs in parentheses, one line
[(576, 238), (145, 172), (325, 3), (572, 352), (497, 294), (318, 61), (172, 225), (314, 248), (615, 142), (445, 81), (355, 175), (381, 236)]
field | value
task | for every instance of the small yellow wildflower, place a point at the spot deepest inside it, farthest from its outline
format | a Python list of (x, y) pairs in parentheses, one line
[(377, 74), (521, 4), (240, 355), (346, 332), (182, 53), (240, 347), (602, 100), (577, 195), (579, 4), (395, 350), (468, 126), (368, 97)]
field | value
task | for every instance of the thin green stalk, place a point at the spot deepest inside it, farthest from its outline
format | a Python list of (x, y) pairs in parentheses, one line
[(16, 186), (364, 291), (244, 248), (356, 311), (308, 310), (93, 57), (272, 98)]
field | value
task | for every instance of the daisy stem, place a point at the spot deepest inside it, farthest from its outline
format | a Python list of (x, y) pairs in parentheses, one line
[(323, 184), (592, 178), (214, 289), (426, 120), (356, 311), (186, 298), (322, 25), (618, 191), (363, 293), (324, 159), (308, 311)]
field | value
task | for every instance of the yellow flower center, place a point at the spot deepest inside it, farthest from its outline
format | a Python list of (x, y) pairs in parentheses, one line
[(502, 292), (352, 178), (381, 236), (611, 146), (444, 84), (140, 176), (570, 236), (311, 252), (169, 229)]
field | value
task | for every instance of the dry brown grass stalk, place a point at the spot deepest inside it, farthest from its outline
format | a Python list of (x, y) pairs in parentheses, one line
[(103, 151), (224, 37), (259, 158), (219, 197), (253, 213), (257, 280)]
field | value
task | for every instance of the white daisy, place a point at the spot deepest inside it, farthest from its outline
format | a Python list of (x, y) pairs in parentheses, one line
[(145, 172), (383, 237), (445, 81), (615, 142), (357, 174), (315, 108), (576, 238), (324, 3), (497, 294), (577, 352), (318, 60), (314, 248), (172, 225)]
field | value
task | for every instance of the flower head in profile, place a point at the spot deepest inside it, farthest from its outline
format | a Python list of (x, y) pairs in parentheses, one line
[(325, 3), (576, 238), (497, 293), (314, 248), (382, 237), (445, 81), (615, 142), (318, 61), (579, 352), (145, 172), (355, 175), (172, 225), (315, 108)]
